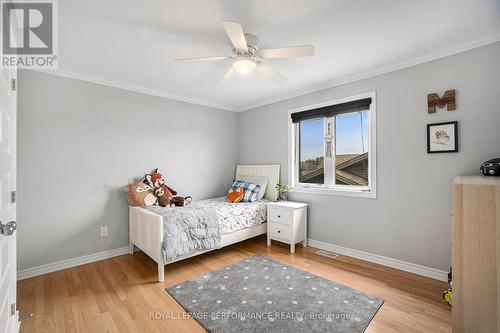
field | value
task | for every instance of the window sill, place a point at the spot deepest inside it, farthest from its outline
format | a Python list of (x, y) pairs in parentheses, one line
[(336, 192)]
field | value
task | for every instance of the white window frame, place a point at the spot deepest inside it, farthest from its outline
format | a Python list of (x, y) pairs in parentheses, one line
[(369, 191)]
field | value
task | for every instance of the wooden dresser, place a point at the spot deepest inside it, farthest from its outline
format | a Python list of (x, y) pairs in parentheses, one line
[(476, 254)]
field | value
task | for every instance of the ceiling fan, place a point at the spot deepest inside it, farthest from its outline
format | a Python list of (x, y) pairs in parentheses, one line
[(248, 57)]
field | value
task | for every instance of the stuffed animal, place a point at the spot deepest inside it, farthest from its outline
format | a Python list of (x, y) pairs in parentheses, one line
[(156, 180), (163, 200), (181, 201), (140, 194), (235, 195)]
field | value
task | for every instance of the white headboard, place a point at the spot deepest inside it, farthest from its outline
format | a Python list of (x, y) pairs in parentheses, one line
[(272, 172)]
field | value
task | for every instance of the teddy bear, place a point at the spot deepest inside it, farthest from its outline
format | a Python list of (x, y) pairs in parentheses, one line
[(156, 180), (140, 194)]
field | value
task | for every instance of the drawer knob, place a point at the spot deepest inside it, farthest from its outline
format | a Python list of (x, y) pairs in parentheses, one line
[(279, 231), (279, 216)]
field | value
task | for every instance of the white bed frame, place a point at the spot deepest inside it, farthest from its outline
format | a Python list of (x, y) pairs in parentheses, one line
[(146, 227)]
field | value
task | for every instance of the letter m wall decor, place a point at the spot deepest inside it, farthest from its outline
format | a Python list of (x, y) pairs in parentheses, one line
[(448, 99)]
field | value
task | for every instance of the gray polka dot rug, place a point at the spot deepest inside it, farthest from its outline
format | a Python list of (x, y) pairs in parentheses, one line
[(260, 294)]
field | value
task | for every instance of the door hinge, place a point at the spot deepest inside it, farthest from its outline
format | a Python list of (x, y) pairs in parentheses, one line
[(13, 309), (13, 84), (13, 197)]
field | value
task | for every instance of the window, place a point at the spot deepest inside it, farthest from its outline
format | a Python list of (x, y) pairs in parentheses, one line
[(311, 151), (332, 147)]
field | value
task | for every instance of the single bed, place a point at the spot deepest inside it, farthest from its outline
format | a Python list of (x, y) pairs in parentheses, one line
[(238, 222)]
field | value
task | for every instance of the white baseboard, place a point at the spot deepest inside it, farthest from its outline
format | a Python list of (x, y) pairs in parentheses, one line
[(68, 263), (381, 260), (375, 258)]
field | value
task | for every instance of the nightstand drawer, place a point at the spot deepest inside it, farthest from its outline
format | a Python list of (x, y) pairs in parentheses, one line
[(280, 231), (280, 216)]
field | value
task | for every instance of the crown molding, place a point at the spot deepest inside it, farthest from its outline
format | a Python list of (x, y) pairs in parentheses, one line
[(469, 45), (132, 87), (459, 48)]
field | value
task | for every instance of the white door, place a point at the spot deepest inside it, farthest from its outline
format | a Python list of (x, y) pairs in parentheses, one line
[(8, 312)]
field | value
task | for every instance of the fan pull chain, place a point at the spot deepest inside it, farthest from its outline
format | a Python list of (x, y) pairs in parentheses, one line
[(328, 141)]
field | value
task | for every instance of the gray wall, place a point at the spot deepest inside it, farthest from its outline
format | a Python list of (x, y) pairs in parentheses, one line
[(410, 220), (80, 143)]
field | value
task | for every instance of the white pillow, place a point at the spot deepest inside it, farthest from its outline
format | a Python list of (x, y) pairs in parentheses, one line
[(262, 181)]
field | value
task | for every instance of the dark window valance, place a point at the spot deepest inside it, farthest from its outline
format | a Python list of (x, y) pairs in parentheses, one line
[(333, 110)]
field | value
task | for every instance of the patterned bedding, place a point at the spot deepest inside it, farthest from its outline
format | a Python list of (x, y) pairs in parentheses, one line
[(234, 217), (200, 225)]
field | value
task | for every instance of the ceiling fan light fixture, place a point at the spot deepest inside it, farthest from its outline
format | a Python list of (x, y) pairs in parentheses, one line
[(248, 58), (244, 66)]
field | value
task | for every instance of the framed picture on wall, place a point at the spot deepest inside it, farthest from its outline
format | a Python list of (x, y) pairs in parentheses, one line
[(442, 137)]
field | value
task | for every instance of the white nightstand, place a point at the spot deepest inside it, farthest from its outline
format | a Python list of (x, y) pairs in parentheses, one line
[(287, 223)]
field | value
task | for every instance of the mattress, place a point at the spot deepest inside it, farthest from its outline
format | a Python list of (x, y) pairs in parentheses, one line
[(235, 216)]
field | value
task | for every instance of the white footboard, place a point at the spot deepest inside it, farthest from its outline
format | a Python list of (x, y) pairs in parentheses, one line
[(146, 232)]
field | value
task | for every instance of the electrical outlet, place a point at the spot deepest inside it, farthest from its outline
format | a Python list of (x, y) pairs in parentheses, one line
[(104, 231)]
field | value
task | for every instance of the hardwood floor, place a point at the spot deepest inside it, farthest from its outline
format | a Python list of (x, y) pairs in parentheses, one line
[(118, 294)]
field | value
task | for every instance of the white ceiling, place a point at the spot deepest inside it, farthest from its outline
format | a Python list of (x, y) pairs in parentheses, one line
[(132, 44)]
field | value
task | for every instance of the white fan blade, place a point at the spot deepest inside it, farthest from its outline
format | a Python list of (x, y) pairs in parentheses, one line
[(236, 35), (229, 74), (288, 52), (202, 58), (270, 73)]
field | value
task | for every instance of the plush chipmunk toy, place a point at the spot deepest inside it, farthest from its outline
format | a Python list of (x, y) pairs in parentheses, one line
[(140, 194), (156, 180), (163, 200)]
